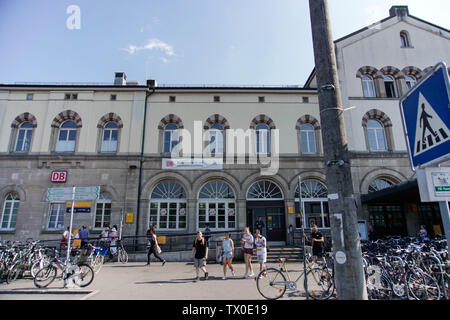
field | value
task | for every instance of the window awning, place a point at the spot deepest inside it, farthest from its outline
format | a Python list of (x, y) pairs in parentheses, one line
[(400, 193)]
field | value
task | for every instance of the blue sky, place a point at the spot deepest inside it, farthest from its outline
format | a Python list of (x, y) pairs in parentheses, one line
[(230, 42)]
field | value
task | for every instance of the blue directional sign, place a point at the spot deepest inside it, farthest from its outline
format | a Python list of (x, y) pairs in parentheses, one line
[(426, 118)]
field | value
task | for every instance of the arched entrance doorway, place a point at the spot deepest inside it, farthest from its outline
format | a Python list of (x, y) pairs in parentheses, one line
[(265, 200)]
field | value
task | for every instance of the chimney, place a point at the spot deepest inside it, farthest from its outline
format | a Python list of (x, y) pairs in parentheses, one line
[(151, 83), (399, 11), (120, 79)]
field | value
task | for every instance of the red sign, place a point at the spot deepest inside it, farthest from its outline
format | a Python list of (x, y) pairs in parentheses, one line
[(182, 212), (212, 212), (58, 176), (231, 212), (163, 212)]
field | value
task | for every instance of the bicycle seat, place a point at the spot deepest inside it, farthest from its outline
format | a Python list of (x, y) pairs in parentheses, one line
[(282, 259)]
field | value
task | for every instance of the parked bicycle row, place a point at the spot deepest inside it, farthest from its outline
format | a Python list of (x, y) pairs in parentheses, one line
[(407, 268)]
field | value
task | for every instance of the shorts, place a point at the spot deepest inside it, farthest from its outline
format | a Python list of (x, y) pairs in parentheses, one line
[(262, 258), (248, 251), (227, 255), (199, 263), (318, 252)]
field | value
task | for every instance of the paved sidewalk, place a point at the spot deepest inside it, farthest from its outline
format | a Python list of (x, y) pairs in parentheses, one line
[(135, 281)]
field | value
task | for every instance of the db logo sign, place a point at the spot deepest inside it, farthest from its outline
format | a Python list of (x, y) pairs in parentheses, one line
[(59, 176)]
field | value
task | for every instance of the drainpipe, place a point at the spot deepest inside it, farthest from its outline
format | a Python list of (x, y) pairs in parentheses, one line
[(141, 162)]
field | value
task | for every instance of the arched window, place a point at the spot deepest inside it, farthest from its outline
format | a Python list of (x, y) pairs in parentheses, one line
[(376, 135), (314, 204), (264, 190), (110, 137), (391, 87), (217, 206), (103, 211), (404, 40), (170, 137), (216, 139), (24, 135), (308, 139), (262, 139), (380, 184), (368, 87), (9, 212), (410, 82), (168, 206), (67, 137)]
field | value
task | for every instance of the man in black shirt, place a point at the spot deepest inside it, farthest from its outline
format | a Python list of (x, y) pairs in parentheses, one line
[(260, 226), (317, 244), (200, 254)]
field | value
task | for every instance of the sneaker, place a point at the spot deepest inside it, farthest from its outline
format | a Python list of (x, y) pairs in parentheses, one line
[(224, 278), (233, 273), (196, 279), (245, 276), (206, 275), (251, 275), (164, 262)]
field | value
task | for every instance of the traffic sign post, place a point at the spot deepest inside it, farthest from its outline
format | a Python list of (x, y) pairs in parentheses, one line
[(425, 113)]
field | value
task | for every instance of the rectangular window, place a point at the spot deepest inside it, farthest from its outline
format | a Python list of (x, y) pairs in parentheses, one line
[(74, 96), (305, 99), (216, 99), (56, 216), (261, 99), (67, 96), (29, 96), (113, 97), (172, 99)]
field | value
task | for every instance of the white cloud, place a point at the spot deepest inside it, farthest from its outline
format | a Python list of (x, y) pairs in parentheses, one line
[(153, 44)]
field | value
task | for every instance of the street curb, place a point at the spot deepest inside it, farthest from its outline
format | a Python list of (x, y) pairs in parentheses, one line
[(55, 291)]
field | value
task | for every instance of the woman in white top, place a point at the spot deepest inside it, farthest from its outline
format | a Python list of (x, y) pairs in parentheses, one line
[(261, 249), (247, 242), (227, 251)]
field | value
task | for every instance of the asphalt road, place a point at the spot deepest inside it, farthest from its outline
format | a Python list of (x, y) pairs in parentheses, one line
[(135, 281)]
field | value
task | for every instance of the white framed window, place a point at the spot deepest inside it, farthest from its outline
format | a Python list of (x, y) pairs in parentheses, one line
[(110, 137), (410, 82), (368, 87), (67, 137), (308, 139), (170, 138), (216, 141), (216, 206), (262, 139), (391, 87), (56, 216), (379, 184), (9, 212), (264, 190), (376, 135), (24, 135), (168, 207), (103, 211), (313, 205)]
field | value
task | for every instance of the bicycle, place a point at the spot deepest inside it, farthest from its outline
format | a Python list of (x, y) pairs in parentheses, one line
[(80, 274), (272, 283)]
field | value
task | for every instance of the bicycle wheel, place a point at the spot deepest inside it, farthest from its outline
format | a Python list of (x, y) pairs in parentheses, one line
[(98, 263), (320, 284), (271, 283), (38, 265), (83, 276), (378, 287), (45, 276), (13, 274), (122, 255), (422, 286)]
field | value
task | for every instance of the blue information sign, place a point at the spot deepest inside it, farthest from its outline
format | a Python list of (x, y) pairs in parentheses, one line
[(425, 112)]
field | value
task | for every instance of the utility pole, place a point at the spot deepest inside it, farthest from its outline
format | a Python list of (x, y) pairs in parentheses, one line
[(349, 274)]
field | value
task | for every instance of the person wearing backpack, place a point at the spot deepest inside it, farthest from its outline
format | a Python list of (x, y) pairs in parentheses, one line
[(227, 253), (200, 254)]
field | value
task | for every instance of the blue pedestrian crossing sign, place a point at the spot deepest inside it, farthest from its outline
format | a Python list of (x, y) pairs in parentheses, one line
[(426, 114)]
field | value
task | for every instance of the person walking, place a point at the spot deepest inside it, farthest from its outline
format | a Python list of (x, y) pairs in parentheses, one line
[(423, 233), (104, 237), (261, 249), (153, 247), (226, 253), (200, 255), (247, 243), (84, 237)]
